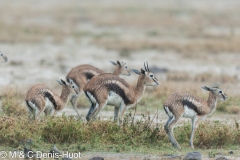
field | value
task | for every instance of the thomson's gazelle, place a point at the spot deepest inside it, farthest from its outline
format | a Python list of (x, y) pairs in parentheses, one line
[(39, 98), (113, 90), (81, 74), (3, 58), (180, 105)]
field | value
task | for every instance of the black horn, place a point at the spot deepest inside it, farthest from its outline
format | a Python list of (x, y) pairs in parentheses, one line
[(146, 66)]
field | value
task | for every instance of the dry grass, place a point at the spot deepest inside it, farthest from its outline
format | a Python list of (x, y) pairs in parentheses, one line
[(15, 127), (13, 102), (66, 130), (233, 109), (207, 77)]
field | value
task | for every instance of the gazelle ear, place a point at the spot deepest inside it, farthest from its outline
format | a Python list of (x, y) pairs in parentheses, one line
[(135, 71), (70, 81), (59, 82), (119, 63), (143, 71), (63, 82), (206, 88), (114, 63)]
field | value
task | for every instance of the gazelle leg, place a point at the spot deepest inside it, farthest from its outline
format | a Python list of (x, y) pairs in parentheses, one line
[(194, 125), (167, 123), (122, 110), (91, 109), (169, 129), (99, 107), (53, 112), (73, 101), (37, 115), (116, 110), (33, 108)]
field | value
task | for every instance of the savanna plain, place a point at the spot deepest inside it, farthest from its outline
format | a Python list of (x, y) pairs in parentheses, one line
[(187, 44)]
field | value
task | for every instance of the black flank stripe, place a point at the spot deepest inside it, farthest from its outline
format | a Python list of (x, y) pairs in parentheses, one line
[(190, 105), (115, 88), (89, 75), (50, 97)]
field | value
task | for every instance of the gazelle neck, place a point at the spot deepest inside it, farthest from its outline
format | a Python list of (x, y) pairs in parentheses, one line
[(212, 102), (64, 95), (117, 70), (140, 88)]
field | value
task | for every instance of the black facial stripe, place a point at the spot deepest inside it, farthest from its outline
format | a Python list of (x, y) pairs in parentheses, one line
[(223, 96), (76, 90), (154, 80)]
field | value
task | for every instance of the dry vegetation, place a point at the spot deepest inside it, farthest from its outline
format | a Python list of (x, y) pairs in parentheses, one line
[(191, 29)]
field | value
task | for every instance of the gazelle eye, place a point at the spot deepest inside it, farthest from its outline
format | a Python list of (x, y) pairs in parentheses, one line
[(220, 91), (125, 66), (151, 75), (72, 86)]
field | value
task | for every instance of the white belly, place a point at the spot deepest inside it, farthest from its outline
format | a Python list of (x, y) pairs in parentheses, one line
[(114, 99), (188, 112), (49, 107)]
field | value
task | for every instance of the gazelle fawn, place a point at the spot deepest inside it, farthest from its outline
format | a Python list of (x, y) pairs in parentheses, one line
[(180, 104), (81, 74), (3, 58), (109, 89), (39, 98)]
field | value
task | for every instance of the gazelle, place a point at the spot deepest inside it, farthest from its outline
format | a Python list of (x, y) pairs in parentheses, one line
[(39, 98), (3, 58), (109, 89), (81, 74), (180, 104)]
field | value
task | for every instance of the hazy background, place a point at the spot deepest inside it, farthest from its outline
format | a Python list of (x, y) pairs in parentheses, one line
[(45, 39)]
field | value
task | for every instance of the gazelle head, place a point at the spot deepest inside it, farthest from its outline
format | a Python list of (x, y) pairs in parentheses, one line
[(68, 87), (146, 76), (3, 58), (121, 68), (216, 92)]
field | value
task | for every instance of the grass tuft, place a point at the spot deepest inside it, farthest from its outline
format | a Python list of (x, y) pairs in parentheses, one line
[(12, 103)]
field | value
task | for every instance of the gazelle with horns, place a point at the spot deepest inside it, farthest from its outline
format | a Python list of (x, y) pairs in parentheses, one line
[(109, 89), (39, 98), (180, 104), (3, 58), (81, 74)]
